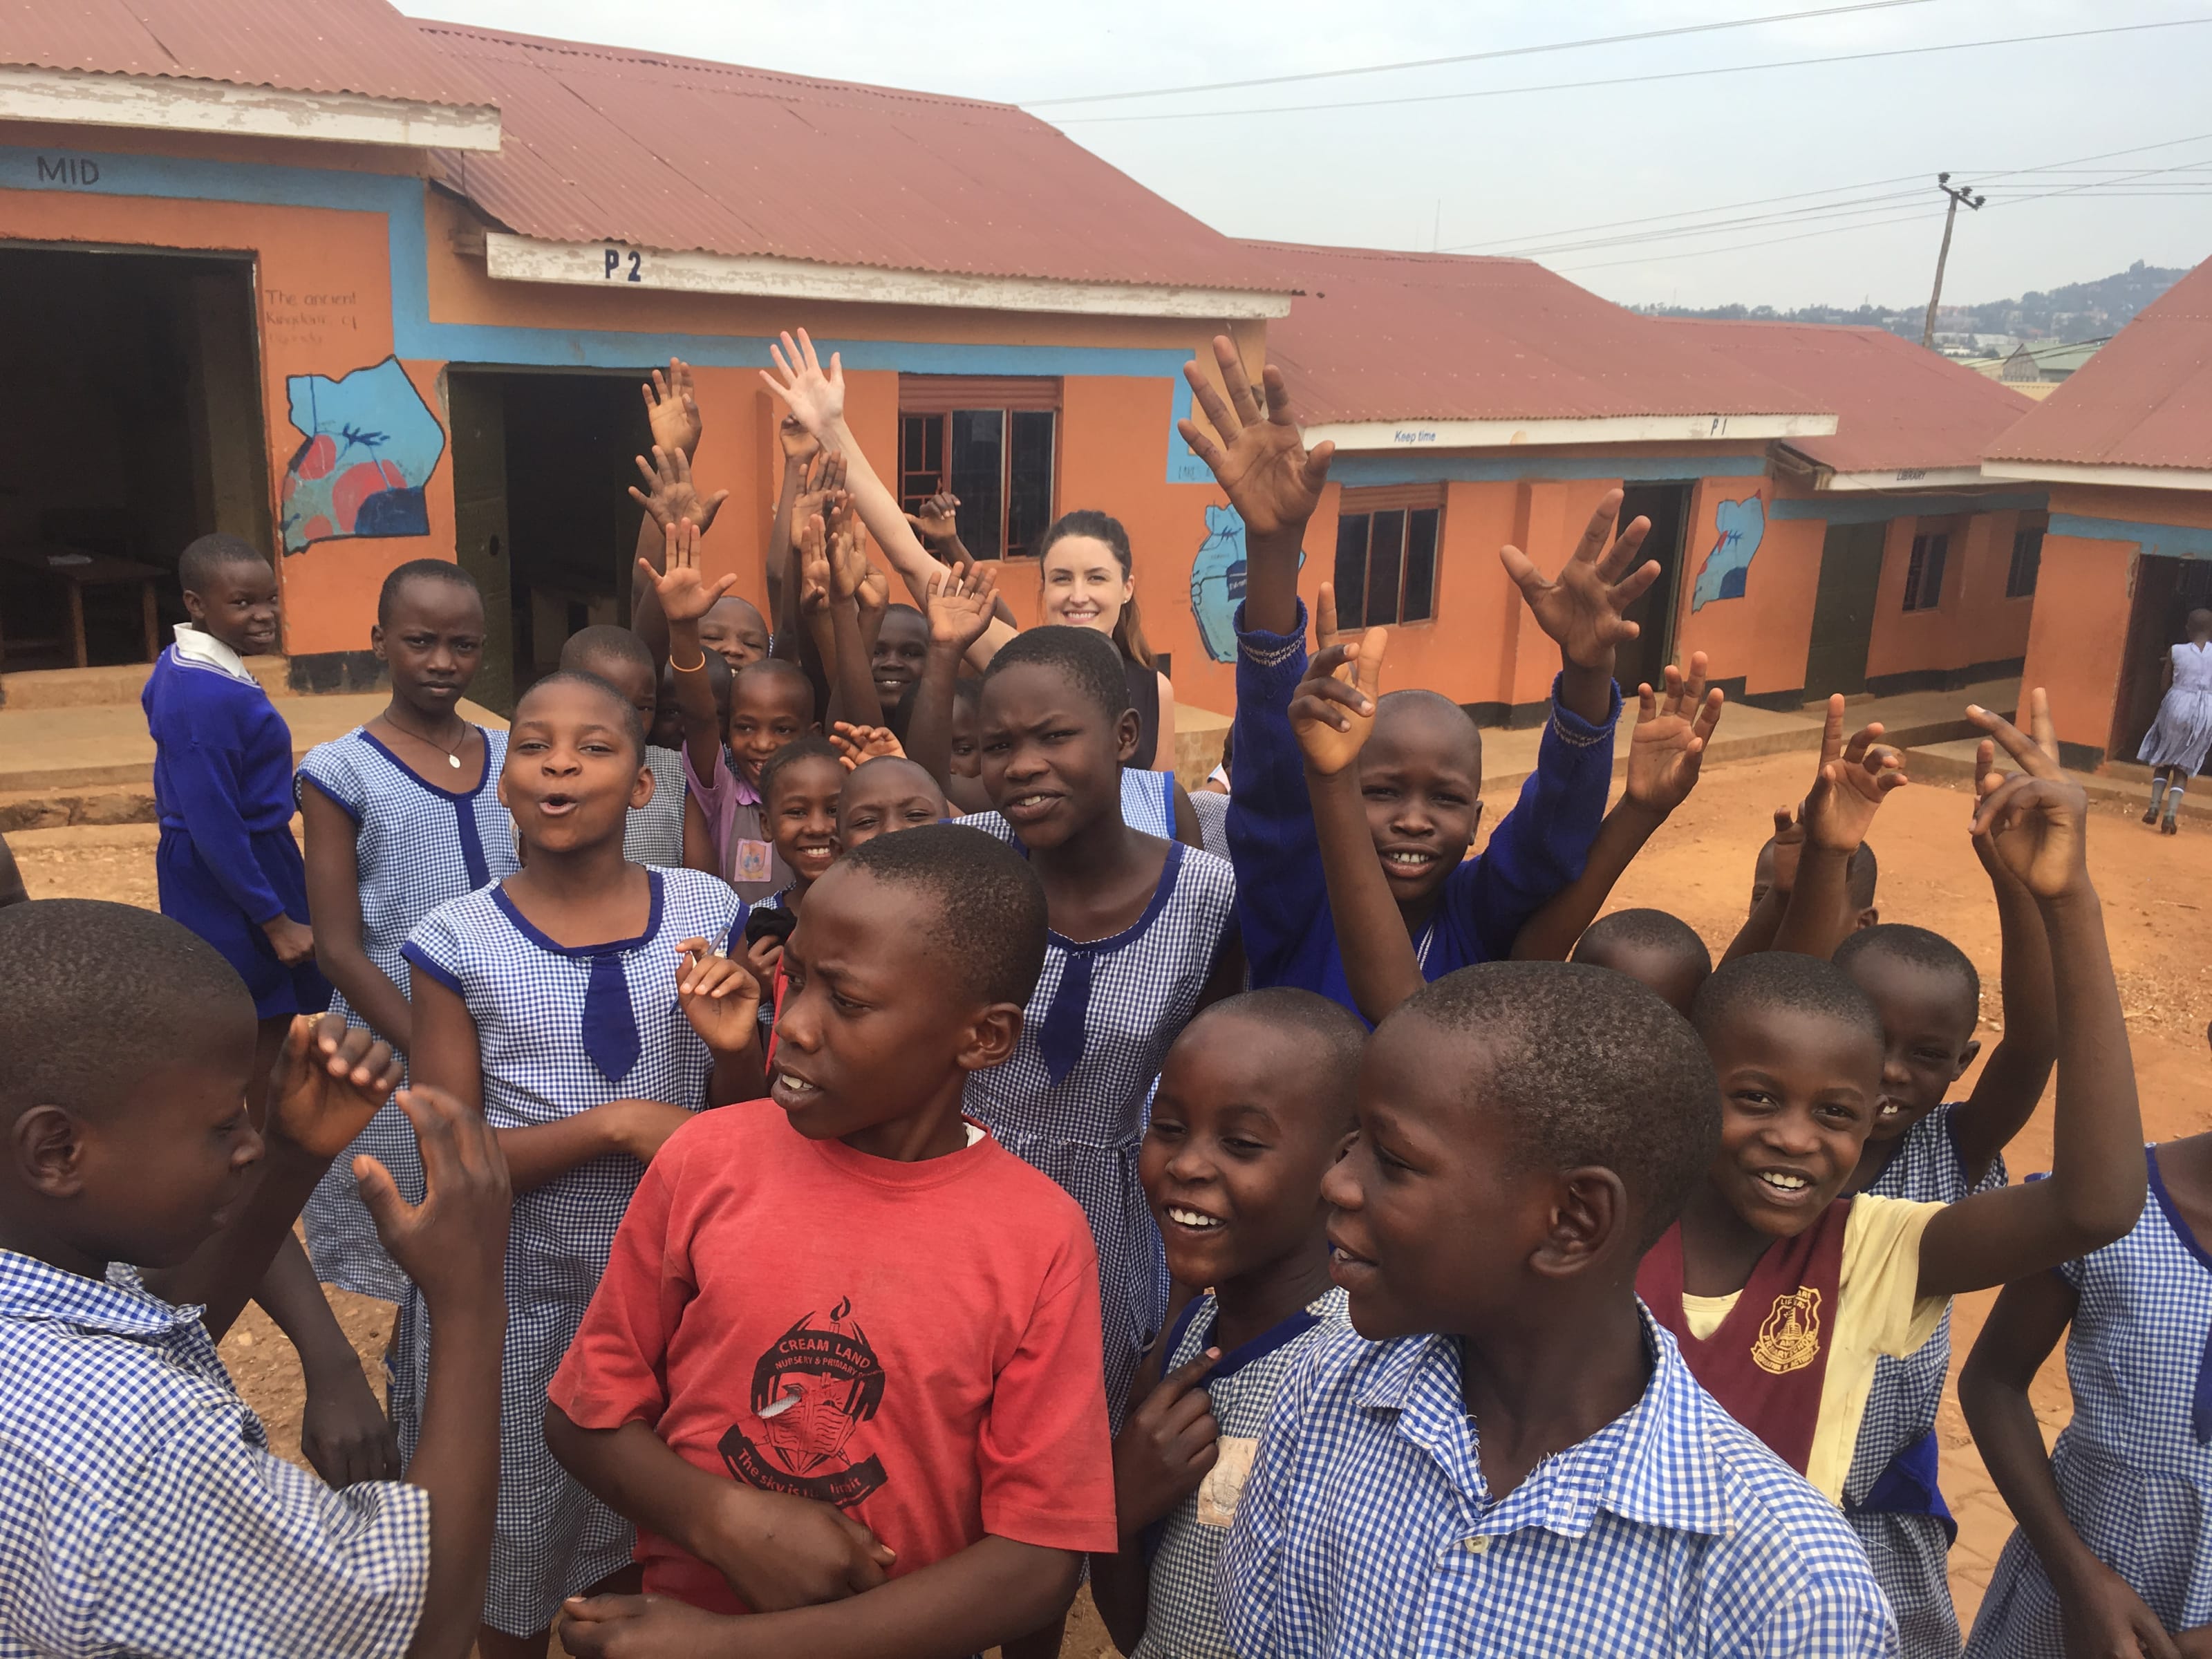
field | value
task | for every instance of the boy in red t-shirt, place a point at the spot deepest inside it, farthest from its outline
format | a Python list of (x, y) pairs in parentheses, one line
[(779, 1379)]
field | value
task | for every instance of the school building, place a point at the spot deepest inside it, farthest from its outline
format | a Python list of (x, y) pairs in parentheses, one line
[(380, 289), (2123, 449)]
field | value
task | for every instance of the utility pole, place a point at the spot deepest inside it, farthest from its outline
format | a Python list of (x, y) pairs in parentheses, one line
[(1958, 194)]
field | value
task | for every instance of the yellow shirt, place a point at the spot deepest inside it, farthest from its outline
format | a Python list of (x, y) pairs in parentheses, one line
[(1878, 1312)]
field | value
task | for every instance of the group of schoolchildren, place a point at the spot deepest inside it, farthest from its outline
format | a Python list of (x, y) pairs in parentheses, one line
[(808, 1238)]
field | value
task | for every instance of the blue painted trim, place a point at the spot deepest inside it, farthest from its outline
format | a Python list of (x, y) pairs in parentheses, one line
[(1362, 472), (1856, 508), (400, 200), (2163, 541)]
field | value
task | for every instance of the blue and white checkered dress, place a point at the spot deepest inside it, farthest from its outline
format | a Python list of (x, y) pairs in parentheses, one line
[(1367, 1528), (2136, 1481), (1911, 1553), (526, 994), (1183, 1614), (1148, 802), (1129, 995), (416, 846), (141, 1511), (655, 832)]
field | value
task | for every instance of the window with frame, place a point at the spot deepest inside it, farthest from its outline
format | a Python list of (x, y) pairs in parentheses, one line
[(1386, 544), (1924, 573), (2026, 563), (992, 442)]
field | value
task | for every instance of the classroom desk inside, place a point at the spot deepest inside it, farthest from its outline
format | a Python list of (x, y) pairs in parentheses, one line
[(77, 570)]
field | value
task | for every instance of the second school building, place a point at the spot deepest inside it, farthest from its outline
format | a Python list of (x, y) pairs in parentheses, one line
[(387, 291)]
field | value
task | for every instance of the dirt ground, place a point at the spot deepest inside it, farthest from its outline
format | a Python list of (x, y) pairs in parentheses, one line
[(1700, 868)]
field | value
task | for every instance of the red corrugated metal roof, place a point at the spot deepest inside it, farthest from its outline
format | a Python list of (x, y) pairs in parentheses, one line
[(330, 45), (602, 144), (1380, 336), (1898, 405), (2145, 399)]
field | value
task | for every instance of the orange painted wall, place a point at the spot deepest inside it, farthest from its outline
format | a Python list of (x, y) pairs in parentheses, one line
[(1761, 637), (2076, 641), (1973, 622)]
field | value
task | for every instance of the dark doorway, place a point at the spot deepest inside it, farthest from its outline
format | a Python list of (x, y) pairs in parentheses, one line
[(1643, 659), (543, 519), (2166, 591), (1843, 609), (134, 426)]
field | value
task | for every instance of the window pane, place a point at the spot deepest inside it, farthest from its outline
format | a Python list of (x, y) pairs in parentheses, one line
[(1912, 573), (1931, 572), (921, 458), (1351, 568), (2027, 564), (978, 471), (1029, 486), (1386, 550), (1420, 565)]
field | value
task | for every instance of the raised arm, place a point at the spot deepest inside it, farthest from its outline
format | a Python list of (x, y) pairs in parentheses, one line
[(2013, 1079), (1333, 714), (818, 400), (2038, 821), (669, 498), (1838, 812), (800, 450), (1664, 757), (1581, 608), (959, 608), (2098, 1611), (682, 595)]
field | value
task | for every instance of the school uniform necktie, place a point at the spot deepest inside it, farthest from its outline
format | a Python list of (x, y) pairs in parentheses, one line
[(1059, 1038), (610, 1037)]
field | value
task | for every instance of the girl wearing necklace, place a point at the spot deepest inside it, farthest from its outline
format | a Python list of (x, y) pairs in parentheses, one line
[(403, 815)]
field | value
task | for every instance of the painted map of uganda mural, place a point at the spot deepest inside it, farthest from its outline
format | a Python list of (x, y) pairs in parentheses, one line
[(1739, 527), (371, 444)]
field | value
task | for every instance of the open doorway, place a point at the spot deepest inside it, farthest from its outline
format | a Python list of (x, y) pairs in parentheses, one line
[(2166, 591), (1645, 659), (543, 518), (134, 426), (1843, 609)]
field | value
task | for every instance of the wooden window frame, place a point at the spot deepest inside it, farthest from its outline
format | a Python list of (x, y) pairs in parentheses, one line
[(1408, 504), (1917, 579), (932, 401)]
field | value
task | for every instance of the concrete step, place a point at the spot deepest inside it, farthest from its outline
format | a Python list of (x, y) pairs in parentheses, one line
[(22, 810), (120, 684)]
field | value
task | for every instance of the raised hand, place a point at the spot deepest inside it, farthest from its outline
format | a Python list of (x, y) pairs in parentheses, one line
[(1580, 607), (815, 575), (686, 594), (825, 478), (816, 400), (329, 1080), (1166, 1447), (1332, 711), (672, 410), (960, 605), (848, 562), (454, 1242), (856, 744), (719, 997), (799, 446), (1260, 459), (1840, 809), (938, 521), (2038, 820), (1668, 748), (1987, 780), (669, 493)]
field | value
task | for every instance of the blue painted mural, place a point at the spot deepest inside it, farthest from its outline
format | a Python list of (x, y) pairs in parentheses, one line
[(1217, 582), (370, 445), (1741, 525)]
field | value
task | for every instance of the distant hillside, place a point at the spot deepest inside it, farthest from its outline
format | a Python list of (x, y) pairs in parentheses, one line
[(2079, 311)]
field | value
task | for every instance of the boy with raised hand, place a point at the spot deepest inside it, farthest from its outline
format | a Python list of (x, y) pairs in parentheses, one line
[(146, 1513), (1421, 779), (844, 1335), (1506, 1454)]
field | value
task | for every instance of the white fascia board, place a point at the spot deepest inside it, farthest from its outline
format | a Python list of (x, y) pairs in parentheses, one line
[(611, 265), (172, 104), (1904, 478), (1547, 433), (2130, 477)]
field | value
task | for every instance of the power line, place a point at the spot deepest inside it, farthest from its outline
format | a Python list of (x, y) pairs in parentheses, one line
[(1611, 82), (1518, 245), (1472, 57)]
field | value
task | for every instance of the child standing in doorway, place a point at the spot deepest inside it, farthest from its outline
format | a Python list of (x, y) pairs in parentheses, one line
[(2175, 746)]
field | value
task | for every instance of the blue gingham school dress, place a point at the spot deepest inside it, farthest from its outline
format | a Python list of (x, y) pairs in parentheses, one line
[(1148, 802), (2183, 730), (1073, 1098), (416, 846), (1909, 1548), (2132, 1468), (653, 834), (531, 999)]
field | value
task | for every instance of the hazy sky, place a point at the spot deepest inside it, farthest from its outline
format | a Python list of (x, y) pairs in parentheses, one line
[(1506, 173)]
